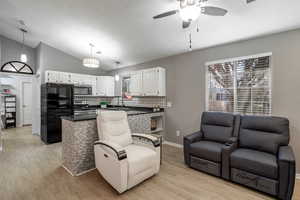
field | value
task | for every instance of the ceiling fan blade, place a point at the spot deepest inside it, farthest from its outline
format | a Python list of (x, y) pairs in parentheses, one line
[(250, 1), (166, 14), (214, 11), (186, 24)]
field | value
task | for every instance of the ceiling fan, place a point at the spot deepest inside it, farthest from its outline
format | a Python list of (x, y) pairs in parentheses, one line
[(190, 10)]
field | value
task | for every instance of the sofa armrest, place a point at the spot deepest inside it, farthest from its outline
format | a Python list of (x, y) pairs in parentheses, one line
[(227, 149), (119, 151), (286, 154), (194, 137), (287, 172), (187, 141), (155, 141)]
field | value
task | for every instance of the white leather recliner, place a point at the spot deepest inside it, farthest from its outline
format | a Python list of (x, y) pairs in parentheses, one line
[(122, 158)]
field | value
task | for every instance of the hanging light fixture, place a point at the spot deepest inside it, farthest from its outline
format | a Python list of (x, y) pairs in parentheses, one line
[(23, 56), (91, 61)]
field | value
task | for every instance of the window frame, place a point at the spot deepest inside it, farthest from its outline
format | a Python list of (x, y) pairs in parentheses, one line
[(17, 71), (235, 59)]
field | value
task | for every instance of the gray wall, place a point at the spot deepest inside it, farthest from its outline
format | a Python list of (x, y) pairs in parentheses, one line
[(186, 82), (11, 51)]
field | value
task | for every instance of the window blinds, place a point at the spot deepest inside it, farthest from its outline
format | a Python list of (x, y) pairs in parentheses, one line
[(241, 86)]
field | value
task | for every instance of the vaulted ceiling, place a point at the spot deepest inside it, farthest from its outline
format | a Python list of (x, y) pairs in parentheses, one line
[(124, 30)]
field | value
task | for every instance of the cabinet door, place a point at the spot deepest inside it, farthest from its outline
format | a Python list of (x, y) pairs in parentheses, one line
[(136, 83), (110, 86), (150, 82), (51, 77), (100, 88), (75, 79), (94, 85), (64, 77)]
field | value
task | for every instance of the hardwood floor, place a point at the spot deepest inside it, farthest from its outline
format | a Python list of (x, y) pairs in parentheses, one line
[(30, 170)]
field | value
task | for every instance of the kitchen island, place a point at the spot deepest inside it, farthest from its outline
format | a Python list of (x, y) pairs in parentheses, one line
[(80, 132)]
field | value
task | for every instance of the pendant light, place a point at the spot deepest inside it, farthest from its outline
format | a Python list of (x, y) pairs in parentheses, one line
[(91, 61), (23, 56)]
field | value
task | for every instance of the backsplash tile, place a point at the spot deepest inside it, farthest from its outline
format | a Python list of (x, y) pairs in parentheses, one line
[(135, 101)]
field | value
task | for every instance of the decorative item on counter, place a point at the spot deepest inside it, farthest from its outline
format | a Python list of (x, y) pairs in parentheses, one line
[(153, 124), (127, 96), (156, 108), (103, 104)]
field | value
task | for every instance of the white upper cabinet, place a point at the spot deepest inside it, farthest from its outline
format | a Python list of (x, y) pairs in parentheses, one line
[(57, 77), (101, 85), (154, 82), (64, 77), (136, 83), (52, 77), (110, 86), (105, 86), (148, 82)]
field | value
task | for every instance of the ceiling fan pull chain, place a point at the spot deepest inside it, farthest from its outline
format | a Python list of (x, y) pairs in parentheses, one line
[(190, 36)]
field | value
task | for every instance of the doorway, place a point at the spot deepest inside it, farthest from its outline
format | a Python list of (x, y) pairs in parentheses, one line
[(27, 103)]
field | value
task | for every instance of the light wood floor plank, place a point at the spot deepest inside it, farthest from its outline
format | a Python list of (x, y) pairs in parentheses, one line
[(30, 170)]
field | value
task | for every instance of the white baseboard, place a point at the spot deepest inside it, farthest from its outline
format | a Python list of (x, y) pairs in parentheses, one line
[(297, 176), (173, 144)]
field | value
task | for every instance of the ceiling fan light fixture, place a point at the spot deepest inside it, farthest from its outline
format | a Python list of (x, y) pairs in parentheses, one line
[(189, 13)]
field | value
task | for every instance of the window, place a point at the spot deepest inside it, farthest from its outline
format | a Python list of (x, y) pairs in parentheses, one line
[(241, 85), (16, 67)]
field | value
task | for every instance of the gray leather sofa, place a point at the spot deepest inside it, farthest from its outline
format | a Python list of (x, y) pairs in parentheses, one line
[(249, 150), (263, 159), (207, 150)]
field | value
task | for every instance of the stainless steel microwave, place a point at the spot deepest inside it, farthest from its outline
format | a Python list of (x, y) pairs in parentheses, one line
[(83, 90)]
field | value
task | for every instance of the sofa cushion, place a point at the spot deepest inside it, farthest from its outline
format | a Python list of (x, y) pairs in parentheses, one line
[(139, 158), (113, 127), (256, 162), (207, 150), (217, 126), (263, 133)]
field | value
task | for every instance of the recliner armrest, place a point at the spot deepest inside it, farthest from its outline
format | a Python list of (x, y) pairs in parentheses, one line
[(120, 152), (286, 154), (232, 140), (227, 149), (155, 141), (187, 141), (287, 172), (194, 137)]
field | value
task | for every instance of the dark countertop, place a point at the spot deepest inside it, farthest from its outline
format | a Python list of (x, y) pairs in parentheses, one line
[(130, 112)]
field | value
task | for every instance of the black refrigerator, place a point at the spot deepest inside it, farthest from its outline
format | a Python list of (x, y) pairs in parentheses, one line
[(56, 101)]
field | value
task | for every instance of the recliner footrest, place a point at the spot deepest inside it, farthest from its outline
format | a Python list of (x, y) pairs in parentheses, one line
[(206, 166), (260, 183)]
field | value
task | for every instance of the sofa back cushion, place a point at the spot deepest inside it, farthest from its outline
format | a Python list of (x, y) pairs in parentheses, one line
[(217, 126), (113, 127), (263, 133)]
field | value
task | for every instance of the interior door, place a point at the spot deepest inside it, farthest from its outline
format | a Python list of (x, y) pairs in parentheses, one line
[(27, 103)]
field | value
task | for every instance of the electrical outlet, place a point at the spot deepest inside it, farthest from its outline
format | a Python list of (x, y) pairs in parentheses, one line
[(169, 104), (178, 133)]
